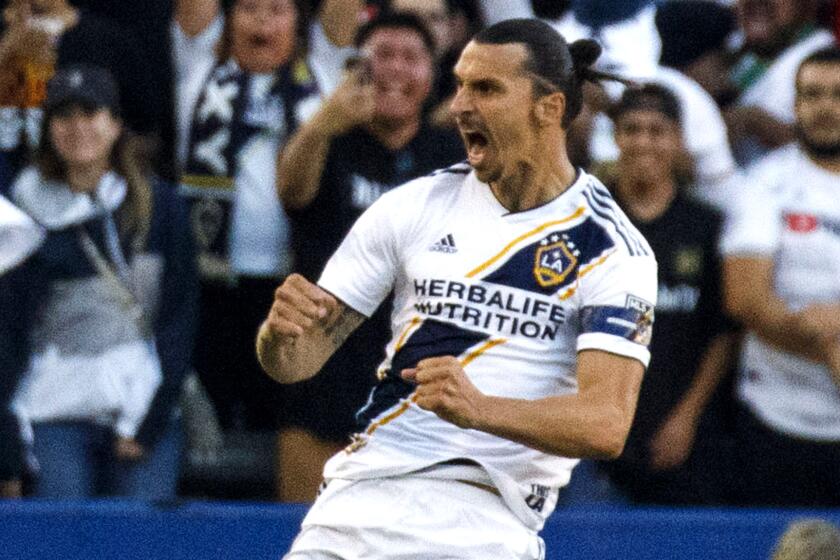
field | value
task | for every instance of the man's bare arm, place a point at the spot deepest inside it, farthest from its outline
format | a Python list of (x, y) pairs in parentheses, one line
[(749, 297), (304, 327), (672, 444), (340, 20), (301, 161), (594, 423), (194, 16)]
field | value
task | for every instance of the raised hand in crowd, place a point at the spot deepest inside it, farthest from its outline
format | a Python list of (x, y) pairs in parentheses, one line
[(350, 105)]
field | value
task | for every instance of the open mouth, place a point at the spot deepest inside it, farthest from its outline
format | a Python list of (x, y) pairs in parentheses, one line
[(259, 41), (476, 143)]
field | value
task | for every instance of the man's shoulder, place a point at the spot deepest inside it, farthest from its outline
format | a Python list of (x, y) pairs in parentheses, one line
[(606, 213), (775, 168)]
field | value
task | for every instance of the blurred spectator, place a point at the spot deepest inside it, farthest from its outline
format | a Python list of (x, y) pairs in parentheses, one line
[(367, 138), (776, 36), (694, 36), (671, 455), (452, 23), (148, 22), (40, 35), (105, 309), (810, 539), (244, 85), (782, 281), (631, 42), (624, 28)]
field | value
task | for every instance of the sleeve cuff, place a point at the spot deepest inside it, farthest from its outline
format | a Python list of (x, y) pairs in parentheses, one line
[(614, 345)]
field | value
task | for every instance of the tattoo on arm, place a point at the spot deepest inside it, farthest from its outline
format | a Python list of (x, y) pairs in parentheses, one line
[(348, 320)]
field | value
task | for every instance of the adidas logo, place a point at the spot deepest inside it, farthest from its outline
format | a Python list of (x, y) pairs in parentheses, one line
[(445, 245)]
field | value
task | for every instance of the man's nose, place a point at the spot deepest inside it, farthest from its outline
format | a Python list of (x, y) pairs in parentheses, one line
[(461, 103)]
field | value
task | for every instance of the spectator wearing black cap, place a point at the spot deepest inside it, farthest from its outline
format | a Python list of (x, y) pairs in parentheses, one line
[(671, 455), (40, 36), (105, 309)]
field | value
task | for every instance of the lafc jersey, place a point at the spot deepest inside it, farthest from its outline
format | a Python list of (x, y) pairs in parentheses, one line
[(515, 296)]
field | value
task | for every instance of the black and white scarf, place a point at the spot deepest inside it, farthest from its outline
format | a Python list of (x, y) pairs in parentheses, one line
[(226, 117)]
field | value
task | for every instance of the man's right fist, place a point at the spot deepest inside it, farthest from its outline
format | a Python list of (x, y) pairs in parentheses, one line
[(300, 305)]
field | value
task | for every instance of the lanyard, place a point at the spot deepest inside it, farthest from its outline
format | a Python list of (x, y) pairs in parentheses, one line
[(117, 276)]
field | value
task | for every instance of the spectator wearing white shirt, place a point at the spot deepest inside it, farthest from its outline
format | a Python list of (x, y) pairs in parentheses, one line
[(244, 82), (782, 281)]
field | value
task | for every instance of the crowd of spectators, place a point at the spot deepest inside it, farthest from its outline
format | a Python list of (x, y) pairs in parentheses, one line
[(164, 164)]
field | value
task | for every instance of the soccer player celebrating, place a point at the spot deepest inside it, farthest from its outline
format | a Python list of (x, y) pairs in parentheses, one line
[(522, 313)]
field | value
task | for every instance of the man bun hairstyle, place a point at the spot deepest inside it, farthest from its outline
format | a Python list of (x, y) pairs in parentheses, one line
[(554, 64)]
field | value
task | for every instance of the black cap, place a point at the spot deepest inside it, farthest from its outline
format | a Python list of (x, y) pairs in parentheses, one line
[(691, 28), (84, 84)]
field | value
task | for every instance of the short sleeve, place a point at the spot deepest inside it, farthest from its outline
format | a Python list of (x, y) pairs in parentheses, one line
[(362, 271), (752, 226), (617, 300)]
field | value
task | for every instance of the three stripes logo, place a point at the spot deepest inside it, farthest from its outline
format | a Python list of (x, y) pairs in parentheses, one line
[(445, 245)]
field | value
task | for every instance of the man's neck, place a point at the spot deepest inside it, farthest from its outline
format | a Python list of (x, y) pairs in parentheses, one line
[(394, 136), (646, 200), (531, 187), (538, 180), (85, 179)]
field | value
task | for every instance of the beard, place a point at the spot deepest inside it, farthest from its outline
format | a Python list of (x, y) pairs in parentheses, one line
[(816, 148)]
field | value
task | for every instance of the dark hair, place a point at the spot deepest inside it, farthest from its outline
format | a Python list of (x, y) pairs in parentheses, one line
[(395, 20), (648, 97), (130, 157), (827, 55), (554, 63)]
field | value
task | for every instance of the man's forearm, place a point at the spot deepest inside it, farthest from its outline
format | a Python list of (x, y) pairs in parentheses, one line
[(340, 19), (194, 16), (779, 327), (302, 163), (285, 360), (569, 425), (713, 366)]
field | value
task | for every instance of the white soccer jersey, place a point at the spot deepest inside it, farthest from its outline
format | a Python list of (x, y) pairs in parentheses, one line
[(514, 295), (791, 214)]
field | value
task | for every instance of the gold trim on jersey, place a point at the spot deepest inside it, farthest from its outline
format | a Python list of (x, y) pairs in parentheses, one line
[(577, 213), (360, 440), (404, 336), (583, 271)]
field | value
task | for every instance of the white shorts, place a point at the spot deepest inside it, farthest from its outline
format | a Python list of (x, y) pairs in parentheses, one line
[(412, 517)]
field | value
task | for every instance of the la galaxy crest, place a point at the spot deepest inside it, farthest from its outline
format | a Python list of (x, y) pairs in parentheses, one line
[(554, 259)]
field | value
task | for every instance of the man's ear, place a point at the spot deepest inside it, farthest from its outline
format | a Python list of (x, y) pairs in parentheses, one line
[(550, 108)]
